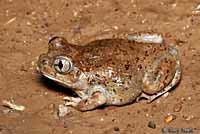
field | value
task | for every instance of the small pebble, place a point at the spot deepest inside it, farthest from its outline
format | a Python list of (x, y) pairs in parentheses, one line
[(143, 21), (169, 118), (102, 119), (28, 23), (152, 124), (188, 117), (115, 27), (189, 98), (116, 128)]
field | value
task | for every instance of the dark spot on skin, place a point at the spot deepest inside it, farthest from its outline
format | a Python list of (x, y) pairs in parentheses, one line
[(92, 81), (167, 71), (114, 91), (78, 73), (146, 53), (115, 81), (97, 75), (154, 50), (166, 77), (127, 67), (120, 100), (137, 59), (140, 66), (87, 69), (113, 63), (131, 47)]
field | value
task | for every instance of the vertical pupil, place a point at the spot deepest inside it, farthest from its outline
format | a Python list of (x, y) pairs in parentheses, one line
[(60, 64)]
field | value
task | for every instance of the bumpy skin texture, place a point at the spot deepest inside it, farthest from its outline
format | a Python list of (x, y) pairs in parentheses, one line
[(112, 71)]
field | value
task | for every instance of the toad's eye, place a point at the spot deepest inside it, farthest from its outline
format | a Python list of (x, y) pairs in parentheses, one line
[(63, 64)]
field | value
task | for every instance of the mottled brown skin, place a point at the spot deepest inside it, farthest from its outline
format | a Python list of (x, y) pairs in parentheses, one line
[(113, 71)]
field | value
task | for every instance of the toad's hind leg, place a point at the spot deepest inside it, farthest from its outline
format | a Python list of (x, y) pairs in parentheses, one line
[(162, 75)]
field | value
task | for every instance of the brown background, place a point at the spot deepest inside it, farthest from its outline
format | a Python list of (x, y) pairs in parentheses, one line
[(25, 27)]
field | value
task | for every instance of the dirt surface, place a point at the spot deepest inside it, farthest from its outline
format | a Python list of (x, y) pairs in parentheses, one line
[(26, 26)]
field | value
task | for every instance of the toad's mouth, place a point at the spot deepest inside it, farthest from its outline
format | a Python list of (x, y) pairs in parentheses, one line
[(79, 84), (64, 83)]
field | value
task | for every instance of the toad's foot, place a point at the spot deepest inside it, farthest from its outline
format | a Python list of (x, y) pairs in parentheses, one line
[(150, 98), (71, 101), (95, 100)]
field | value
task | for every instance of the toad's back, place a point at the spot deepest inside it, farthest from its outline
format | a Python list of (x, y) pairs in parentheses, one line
[(120, 54)]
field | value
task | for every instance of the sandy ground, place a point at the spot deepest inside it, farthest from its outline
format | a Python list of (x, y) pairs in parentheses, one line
[(25, 27)]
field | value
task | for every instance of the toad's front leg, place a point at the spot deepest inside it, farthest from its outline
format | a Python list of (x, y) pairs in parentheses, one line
[(88, 103)]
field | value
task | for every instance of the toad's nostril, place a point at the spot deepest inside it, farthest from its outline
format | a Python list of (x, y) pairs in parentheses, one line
[(44, 61)]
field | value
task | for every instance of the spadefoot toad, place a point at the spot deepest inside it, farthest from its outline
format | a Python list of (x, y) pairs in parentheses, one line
[(111, 71)]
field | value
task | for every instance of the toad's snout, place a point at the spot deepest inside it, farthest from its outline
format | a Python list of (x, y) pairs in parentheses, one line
[(42, 62)]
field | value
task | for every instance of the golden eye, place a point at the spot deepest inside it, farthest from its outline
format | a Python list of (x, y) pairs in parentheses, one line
[(63, 64)]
